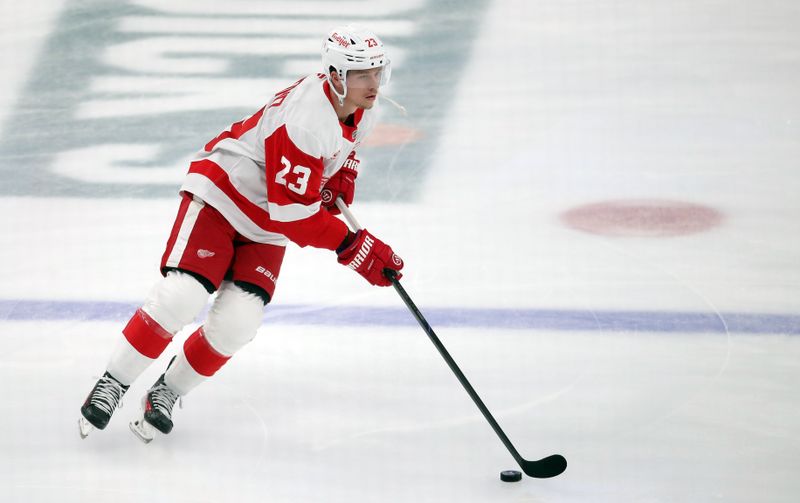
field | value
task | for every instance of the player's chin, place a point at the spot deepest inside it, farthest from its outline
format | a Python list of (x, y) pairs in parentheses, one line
[(369, 101)]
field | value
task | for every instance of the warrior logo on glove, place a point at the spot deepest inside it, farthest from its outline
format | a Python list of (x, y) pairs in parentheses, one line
[(342, 184), (327, 197), (369, 256), (397, 260)]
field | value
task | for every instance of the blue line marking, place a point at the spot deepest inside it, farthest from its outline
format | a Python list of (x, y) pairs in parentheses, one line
[(538, 319)]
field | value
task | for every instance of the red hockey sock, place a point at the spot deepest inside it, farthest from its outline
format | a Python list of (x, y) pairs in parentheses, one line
[(146, 335), (204, 359)]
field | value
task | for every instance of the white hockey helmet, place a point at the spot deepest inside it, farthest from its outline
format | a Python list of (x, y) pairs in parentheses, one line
[(352, 47)]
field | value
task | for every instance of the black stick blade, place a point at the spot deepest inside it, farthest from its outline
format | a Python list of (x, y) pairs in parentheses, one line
[(545, 468)]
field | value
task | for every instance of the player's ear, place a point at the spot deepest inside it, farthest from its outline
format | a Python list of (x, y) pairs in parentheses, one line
[(334, 75), (335, 80)]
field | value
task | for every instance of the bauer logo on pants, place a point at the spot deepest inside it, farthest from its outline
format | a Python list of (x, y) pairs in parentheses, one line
[(267, 273)]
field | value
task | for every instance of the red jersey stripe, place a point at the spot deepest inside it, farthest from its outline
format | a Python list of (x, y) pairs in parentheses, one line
[(237, 130), (321, 230)]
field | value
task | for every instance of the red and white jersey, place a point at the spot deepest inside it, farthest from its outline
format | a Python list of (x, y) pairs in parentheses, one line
[(264, 174)]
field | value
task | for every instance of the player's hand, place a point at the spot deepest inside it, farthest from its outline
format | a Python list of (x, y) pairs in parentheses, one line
[(342, 184), (369, 256)]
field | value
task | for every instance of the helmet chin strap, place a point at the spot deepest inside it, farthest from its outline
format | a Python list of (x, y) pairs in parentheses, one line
[(344, 88)]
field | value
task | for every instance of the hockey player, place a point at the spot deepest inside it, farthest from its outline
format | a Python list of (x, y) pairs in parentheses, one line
[(269, 179)]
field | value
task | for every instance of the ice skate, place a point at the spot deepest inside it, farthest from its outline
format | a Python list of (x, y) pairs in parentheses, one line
[(157, 406), (100, 404)]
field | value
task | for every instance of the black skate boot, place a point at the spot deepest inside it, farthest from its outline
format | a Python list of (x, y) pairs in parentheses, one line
[(158, 404), (100, 404)]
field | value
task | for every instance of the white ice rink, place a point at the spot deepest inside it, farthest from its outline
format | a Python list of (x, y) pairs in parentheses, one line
[(658, 352)]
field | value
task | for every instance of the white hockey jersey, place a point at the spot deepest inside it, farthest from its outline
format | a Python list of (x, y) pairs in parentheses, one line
[(265, 173)]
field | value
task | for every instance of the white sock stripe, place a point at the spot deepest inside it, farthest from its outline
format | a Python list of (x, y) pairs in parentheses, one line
[(181, 377), (182, 239), (126, 363)]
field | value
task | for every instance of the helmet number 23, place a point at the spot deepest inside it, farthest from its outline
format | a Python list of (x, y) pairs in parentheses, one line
[(303, 174)]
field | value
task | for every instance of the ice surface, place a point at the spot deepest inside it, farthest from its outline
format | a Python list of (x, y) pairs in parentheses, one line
[(664, 368)]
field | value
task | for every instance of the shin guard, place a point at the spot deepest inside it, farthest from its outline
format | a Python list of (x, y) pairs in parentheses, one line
[(146, 335)]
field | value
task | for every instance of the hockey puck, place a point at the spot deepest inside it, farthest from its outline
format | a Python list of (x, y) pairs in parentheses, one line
[(510, 476)]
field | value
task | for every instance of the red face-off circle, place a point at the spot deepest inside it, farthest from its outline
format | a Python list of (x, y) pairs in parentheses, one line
[(642, 218)]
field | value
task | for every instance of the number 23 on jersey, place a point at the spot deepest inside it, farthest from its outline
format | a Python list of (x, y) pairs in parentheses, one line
[(302, 173)]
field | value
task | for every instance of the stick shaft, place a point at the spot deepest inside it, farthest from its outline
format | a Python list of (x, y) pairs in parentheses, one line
[(348, 215), (351, 219), (454, 367)]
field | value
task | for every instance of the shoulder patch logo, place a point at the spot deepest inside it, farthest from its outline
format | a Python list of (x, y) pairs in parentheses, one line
[(205, 253)]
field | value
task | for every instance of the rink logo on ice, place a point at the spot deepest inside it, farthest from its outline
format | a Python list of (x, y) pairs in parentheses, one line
[(129, 91)]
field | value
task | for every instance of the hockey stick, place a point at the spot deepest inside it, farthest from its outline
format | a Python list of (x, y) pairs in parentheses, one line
[(542, 468)]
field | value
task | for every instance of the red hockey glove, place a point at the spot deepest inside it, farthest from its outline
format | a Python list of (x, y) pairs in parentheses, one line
[(369, 256), (342, 184)]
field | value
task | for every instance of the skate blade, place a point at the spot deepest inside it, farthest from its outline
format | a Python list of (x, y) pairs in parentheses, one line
[(143, 430), (85, 427)]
